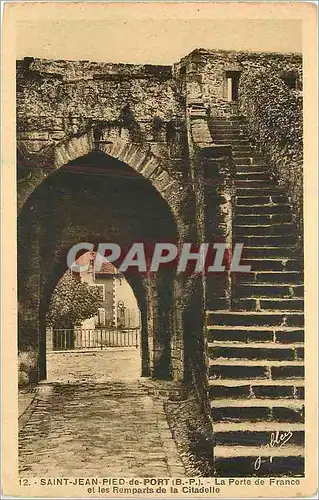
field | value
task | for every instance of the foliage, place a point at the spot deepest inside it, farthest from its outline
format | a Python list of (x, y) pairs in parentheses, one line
[(72, 302), (277, 109), (27, 367), (274, 114)]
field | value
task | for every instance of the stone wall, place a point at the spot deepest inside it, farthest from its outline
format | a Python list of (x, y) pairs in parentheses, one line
[(273, 110), (60, 100), (210, 66), (153, 119), (60, 96)]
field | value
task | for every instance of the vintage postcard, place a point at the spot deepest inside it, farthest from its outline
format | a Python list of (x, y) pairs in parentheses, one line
[(159, 245)]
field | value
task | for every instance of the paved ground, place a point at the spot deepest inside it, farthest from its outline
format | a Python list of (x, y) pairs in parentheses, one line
[(97, 428), (24, 400), (94, 365)]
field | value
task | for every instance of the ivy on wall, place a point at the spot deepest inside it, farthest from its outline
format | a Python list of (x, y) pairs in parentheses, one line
[(274, 114)]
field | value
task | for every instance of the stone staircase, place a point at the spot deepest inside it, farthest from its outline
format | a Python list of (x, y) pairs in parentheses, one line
[(255, 350)]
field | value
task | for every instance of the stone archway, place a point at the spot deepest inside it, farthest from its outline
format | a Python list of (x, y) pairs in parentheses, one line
[(112, 142), (66, 208)]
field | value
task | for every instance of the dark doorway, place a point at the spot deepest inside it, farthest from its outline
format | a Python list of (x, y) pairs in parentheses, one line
[(291, 80), (232, 85)]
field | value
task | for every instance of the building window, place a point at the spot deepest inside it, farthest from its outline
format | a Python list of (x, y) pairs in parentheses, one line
[(101, 316), (101, 289), (232, 85)]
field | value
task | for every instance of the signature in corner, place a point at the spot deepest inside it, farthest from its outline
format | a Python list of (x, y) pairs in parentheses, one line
[(277, 440)]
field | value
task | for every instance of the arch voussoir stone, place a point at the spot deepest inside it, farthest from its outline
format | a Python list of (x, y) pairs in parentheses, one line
[(150, 166), (74, 148), (138, 157), (71, 148), (127, 153), (162, 180), (85, 142), (119, 148), (60, 156), (174, 189), (106, 148)]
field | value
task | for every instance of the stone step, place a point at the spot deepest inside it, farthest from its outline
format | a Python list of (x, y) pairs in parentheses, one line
[(249, 461), (255, 334), (246, 160), (248, 190), (273, 228), (227, 127), (234, 142), (228, 119), (259, 210), (218, 135), (267, 240), (195, 112), (244, 148), (221, 125), (238, 369), (260, 434), (255, 351), (259, 388), (248, 466), (297, 383), (247, 388), (257, 219), (243, 131), (237, 119), (254, 179), (275, 303), (258, 402), (265, 264), (218, 119), (255, 184), (252, 252), (242, 170), (247, 152), (249, 174), (257, 409), (255, 318), (258, 350), (260, 176), (254, 345), (270, 277), (255, 201), (196, 104), (283, 290)]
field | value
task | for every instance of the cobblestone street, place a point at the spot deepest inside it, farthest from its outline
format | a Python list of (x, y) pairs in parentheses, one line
[(97, 428), (95, 365)]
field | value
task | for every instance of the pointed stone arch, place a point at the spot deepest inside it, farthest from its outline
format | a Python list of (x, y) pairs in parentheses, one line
[(116, 145), (137, 156)]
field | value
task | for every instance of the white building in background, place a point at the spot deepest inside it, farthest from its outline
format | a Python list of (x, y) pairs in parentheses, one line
[(119, 308)]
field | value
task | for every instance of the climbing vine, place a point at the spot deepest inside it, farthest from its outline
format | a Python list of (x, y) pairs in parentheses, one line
[(274, 114)]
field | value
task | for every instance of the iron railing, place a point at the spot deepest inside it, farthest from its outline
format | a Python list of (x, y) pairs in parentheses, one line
[(69, 339)]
